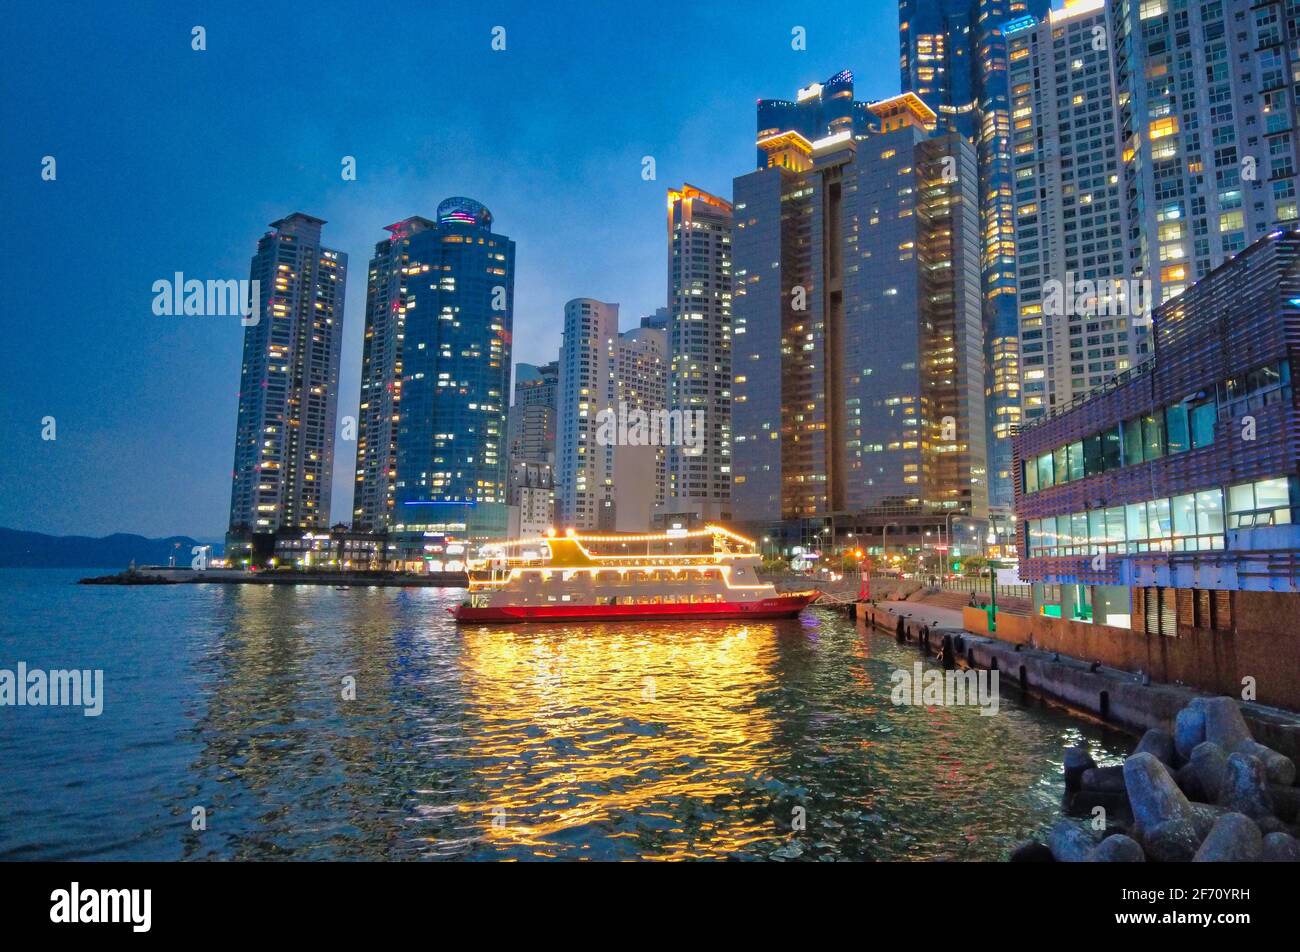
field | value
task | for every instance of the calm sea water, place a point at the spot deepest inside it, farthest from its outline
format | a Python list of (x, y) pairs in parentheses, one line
[(605, 742)]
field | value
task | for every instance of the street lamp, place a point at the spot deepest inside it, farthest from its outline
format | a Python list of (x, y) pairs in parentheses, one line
[(884, 540)]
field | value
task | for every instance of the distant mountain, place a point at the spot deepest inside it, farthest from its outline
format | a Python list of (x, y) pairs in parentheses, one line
[(38, 551)]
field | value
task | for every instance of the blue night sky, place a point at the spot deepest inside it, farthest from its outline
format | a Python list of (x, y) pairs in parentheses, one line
[(174, 160)]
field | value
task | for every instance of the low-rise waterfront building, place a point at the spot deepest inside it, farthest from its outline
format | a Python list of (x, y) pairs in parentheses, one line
[(341, 548), (1165, 503)]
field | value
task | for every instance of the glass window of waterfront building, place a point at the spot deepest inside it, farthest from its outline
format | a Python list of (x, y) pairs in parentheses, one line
[(1264, 503), (1202, 419), (1176, 432), (1188, 522), (1177, 428)]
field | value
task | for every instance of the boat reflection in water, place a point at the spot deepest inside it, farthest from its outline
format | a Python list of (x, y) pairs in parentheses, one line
[(368, 724), (614, 741)]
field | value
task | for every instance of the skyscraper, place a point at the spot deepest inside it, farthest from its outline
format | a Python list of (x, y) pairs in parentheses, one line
[(381, 375), (1208, 126), (1080, 321), (858, 357), (531, 429), (699, 343), (459, 311), (288, 392), (531, 442), (641, 384), (584, 470), (952, 54), (817, 111), (608, 474)]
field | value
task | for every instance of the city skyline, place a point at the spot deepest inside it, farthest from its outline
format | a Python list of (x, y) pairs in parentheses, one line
[(170, 393)]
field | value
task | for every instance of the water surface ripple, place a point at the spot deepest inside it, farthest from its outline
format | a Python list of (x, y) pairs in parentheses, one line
[(601, 742)]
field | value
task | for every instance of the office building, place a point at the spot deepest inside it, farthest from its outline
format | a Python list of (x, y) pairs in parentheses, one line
[(952, 54), (699, 345), (858, 397), (451, 452)]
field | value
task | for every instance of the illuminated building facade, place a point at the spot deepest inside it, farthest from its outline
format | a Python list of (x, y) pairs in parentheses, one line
[(451, 435), (952, 55), (1207, 119), (288, 392), (1166, 502), (532, 499), (1081, 319), (604, 479), (641, 382), (584, 470), (858, 385), (381, 372), (818, 110), (699, 344), (531, 428)]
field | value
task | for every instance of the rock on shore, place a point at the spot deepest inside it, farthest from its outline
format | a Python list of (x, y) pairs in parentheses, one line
[(1234, 839), (1207, 792), (1117, 849), (1070, 843)]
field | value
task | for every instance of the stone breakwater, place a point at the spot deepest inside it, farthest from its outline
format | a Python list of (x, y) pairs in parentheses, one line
[(1208, 792)]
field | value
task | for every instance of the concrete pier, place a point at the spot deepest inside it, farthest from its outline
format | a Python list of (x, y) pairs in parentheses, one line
[(1116, 697)]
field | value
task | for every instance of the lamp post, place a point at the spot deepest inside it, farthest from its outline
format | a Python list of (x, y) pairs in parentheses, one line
[(884, 540), (948, 524), (993, 593), (993, 599)]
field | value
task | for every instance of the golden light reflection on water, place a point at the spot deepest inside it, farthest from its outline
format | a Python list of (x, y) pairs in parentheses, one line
[(626, 719), (609, 742), (617, 741)]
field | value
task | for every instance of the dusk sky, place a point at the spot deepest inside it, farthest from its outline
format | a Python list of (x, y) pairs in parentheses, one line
[(173, 160)]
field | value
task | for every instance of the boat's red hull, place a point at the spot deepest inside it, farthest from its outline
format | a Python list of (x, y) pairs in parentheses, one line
[(782, 606)]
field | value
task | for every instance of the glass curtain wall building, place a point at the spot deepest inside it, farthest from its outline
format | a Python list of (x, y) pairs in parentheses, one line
[(459, 308)]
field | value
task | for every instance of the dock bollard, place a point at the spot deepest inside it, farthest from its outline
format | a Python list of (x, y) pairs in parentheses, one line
[(949, 653)]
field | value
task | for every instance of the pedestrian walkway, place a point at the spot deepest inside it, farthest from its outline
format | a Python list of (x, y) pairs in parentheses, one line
[(932, 615)]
